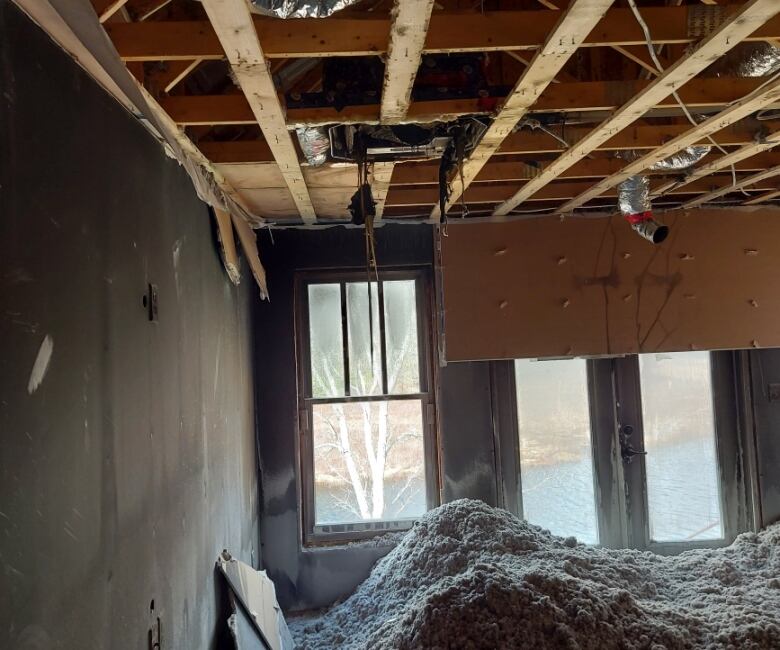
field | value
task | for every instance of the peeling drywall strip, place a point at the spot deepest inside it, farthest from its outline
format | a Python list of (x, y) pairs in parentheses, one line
[(227, 244)]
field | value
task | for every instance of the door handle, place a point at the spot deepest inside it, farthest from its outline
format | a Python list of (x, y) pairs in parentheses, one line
[(627, 451)]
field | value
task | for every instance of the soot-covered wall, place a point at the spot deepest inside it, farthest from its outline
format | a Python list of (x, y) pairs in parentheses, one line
[(127, 447), (314, 577)]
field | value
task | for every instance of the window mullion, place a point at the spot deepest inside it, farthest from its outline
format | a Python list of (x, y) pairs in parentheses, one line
[(382, 336), (345, 336)]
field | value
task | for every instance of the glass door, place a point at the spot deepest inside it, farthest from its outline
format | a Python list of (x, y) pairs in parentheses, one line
[(668, 444)]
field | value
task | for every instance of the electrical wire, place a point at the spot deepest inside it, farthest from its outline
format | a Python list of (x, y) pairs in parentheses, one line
[(681, 104)]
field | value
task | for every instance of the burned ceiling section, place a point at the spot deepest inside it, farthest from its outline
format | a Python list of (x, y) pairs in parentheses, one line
[(456, 109)]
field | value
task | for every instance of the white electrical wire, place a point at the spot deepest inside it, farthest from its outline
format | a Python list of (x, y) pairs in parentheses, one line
[(651, 49)]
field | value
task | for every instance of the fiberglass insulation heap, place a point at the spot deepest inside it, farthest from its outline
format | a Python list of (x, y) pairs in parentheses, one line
[(471, 576)]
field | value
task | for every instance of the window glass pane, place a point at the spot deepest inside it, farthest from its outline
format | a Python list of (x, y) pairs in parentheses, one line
[(369, 461), (365, 369), (403, 361), (325, 340), (556, 458), (679, 428)]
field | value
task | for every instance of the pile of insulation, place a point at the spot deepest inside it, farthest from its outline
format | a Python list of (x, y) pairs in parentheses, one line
[(471, 576)]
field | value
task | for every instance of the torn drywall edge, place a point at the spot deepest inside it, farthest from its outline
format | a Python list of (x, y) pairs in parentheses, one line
[(249, 245), (74, 26), (256, 592), (227, 245)]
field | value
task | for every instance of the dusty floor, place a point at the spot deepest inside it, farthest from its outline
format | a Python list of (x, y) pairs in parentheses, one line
[(471, 576)]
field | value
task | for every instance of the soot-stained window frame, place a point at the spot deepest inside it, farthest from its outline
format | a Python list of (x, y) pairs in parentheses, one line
[(313, 534), (613, 386)]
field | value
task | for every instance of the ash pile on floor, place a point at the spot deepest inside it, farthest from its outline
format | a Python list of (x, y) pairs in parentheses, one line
[(471, 576)]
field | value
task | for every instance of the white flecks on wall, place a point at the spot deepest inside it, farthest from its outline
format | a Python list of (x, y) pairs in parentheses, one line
[(41, 364)]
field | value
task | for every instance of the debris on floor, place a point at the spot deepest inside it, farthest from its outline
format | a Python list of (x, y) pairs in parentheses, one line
[(471, 576), (255, 592)]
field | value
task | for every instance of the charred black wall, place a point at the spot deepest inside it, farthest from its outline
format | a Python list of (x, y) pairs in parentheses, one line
[(314, 577), (133, 463)]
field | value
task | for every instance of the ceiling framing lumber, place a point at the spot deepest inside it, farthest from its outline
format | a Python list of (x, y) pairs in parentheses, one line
[(558, 191), (498, 170), (733, 187), (561, 43), (490, 31), (110, 9), (747, 152), (523, 142), (737, 111), (737, 26), (407, 36), (381, 174), (408, 30), (581, 96), (233, 24), (761, 198)]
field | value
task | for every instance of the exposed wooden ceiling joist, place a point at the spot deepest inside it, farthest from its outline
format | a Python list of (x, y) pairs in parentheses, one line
[(560, 190), (561, 43), (583, 96), (524, 142), (763, 198), (232, 21), (448, 32), (408, 29), (738, 25), (737, 111), (731, 187), (498, 170)]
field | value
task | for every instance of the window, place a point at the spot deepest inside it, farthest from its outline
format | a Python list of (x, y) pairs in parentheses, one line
[(556, 460), (367, 440), (633, 451), (683, 495)]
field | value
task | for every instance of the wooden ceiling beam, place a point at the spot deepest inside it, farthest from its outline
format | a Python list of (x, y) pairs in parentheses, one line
[(408, 29), (762, 198), (232, 21), (561, 43), (523, 142), (448, 32), (498, 170), (731, 187), (738, 24), (561, 190), (749, 104), (583, 96)]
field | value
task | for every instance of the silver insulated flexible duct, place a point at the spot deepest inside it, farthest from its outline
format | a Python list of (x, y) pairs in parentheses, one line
[(315, 144), (634, 192), (300, 8)]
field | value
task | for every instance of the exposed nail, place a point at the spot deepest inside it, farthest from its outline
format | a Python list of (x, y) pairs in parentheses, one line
[(627, 297), (561, 260), (503, 304), (690, 296), (626, 255), (686, 257), (500, 251), (751, 251), (753, 302), (565, 303), (754, 343)]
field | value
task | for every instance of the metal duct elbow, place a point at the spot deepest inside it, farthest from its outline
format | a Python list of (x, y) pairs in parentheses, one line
[(299, 8), (635, 206), (315, 144)]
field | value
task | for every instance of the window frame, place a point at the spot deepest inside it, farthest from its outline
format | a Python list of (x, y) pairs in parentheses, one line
[(620, 489), (313, 534)]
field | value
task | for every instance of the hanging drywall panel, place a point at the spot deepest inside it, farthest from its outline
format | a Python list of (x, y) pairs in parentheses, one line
[(582, 286)]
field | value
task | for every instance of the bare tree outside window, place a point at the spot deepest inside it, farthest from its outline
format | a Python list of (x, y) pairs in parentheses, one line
[(369, 459)]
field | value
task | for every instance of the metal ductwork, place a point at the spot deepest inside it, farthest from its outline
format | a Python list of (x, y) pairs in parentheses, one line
[(315, 144), (300, 8)]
